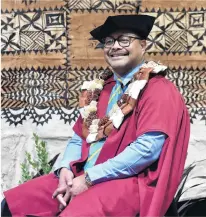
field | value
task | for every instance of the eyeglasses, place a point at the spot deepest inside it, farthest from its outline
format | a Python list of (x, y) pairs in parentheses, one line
[(123, 41)]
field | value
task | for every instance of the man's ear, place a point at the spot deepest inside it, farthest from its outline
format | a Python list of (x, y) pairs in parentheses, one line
[(143, 44)]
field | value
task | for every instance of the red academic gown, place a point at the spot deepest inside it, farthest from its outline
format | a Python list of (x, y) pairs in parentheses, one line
[(159, 108)]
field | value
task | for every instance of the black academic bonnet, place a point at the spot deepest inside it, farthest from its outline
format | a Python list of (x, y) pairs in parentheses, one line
[(139, 24)]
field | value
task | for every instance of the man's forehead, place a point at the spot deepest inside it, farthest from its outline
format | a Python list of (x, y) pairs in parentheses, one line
[(122, 32)]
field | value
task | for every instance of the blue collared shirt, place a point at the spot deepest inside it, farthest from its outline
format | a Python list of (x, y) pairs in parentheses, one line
[(138, 155), (128, 77)]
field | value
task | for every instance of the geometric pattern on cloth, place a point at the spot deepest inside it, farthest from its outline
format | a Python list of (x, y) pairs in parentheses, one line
[(36, 94), (32, 40), (59, 89), (178, 32), (47, 53), (192, 85), (55, 39), (103, 4), (39, 116), (34, 31), (175, 41), (196, 40), (30, 87)]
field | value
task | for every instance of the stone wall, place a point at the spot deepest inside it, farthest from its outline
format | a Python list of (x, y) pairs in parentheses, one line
[(17, 140)]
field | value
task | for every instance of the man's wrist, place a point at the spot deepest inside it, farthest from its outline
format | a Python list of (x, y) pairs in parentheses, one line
[(88, 180), (97, 174)]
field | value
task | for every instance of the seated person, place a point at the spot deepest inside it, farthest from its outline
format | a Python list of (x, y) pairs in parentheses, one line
[(129, 148)]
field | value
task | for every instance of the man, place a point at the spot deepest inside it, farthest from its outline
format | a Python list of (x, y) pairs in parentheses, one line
[(135, 169)]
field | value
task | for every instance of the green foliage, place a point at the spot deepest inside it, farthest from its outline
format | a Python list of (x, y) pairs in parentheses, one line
[(40, 165), (25, 172)]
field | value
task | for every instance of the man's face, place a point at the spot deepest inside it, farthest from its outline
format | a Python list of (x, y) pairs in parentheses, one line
[(123, 59)]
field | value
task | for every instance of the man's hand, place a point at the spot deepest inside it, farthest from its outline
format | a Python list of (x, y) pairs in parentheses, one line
[(62, 193), (79, 186)]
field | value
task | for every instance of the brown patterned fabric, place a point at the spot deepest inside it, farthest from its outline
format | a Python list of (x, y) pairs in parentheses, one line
[(47, 52)]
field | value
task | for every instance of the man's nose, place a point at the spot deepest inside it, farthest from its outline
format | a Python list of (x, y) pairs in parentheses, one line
[(116, 45)]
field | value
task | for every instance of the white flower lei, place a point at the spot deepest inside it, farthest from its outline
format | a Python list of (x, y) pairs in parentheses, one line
[(115, 114)]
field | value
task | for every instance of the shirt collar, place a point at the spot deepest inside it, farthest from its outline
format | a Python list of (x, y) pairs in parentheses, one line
[(128, 77)]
